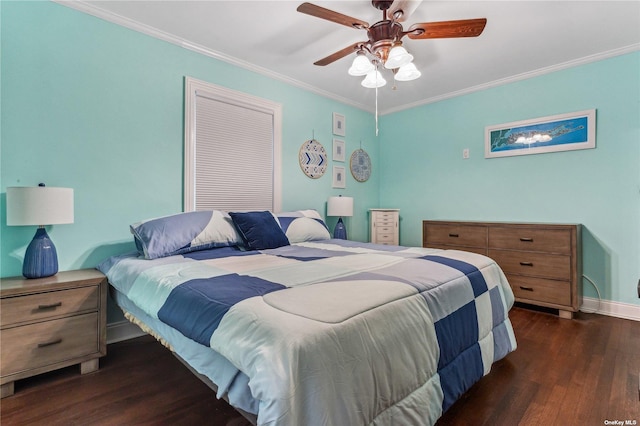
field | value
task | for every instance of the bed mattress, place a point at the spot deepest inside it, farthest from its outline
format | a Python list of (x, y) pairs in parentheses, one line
[(329, 332)]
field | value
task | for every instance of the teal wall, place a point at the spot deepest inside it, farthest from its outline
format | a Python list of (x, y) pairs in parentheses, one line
[(93, 106), (424, 174)]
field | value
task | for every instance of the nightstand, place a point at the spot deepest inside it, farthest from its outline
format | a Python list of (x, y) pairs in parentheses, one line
[(51, 323)]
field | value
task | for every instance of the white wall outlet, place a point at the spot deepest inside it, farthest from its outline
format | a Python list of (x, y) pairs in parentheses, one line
[(465, 153)]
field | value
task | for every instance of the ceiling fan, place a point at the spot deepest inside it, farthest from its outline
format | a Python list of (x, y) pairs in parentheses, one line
[(384, 44)]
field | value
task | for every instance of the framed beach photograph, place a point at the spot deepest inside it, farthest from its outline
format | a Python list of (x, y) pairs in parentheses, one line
[(338, 150), (563, 132), (339, 177), (339, 124)]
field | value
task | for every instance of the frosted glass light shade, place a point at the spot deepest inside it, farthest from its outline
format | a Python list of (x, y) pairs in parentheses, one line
[(398, 56), (40, 205), (340, 206), (407, 73), (361, 65), (374, 79)]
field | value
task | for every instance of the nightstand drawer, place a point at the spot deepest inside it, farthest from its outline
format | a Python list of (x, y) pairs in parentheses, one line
[(33, 307), (456, 235), (530, 239), (37, 345), (533, 264), (541, 290)]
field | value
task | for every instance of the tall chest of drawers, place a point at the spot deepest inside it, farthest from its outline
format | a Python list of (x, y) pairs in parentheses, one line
[(50, 323), (384, 226), (542, 262)]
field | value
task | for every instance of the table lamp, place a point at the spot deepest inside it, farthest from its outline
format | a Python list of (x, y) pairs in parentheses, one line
[(342, 207), (39, 206)]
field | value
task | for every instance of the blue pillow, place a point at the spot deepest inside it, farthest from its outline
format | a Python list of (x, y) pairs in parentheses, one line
[(259, 230), (184, 233)]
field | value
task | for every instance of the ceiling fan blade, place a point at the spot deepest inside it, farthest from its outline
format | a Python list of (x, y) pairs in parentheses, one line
[(447, 29), (339, 54), (403, 8), (330, 15)]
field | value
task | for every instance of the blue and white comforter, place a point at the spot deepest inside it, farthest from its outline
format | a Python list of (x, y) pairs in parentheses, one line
[(335, 332)]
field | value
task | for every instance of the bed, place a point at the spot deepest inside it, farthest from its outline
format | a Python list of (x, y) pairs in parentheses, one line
[(295, 328)]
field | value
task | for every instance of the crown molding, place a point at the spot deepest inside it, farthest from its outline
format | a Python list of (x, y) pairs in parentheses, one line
[(131, 24), (108, 16), (519, 77)]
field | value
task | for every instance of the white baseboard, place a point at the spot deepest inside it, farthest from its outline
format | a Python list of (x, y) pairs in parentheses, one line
[(122, 330), (612, 309)]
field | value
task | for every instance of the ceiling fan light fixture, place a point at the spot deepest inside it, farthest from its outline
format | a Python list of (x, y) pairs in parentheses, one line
[(398, 56), (407, 72), (361, 65), (373, 80)]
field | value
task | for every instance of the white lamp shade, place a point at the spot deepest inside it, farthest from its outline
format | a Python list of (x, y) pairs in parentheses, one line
[(398, 56), (40, 205), (361, 66), (374, 79), (407, 73), (340, 206)]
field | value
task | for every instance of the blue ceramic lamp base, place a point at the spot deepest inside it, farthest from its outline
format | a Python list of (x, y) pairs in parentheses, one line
[(41, 258), (340, 230)]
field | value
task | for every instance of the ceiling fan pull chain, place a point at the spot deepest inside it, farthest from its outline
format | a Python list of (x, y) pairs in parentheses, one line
[(376, 102)]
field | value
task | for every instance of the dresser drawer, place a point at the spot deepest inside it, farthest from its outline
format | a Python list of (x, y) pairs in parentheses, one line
[(456, 235), (40, 306), (385, 238), (37, 345), (385, 224), (385, 230), (531, 239), (541, 290), (479, 250), (383, 216), (533, 264)]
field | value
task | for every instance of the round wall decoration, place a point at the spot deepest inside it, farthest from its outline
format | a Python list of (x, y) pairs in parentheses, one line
[(360, 165), (313, 159)]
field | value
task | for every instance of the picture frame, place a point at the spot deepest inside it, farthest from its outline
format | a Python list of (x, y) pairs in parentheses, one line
[(338, 150), (339, 124), (339, 177), (555, 133)]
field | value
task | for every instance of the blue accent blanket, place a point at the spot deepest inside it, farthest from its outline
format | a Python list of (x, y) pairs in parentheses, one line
[(335, 332)]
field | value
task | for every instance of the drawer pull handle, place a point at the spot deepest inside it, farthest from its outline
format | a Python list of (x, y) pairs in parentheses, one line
[(526, 288), (51, 343), (51, 306), (526, 263), (454, 235), (526, 240)]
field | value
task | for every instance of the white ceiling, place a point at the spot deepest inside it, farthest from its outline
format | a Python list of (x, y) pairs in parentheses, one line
[(521, 39)]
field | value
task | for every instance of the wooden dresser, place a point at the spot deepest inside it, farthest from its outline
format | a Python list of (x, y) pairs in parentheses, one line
[(384, 226), (50, 323), (541, 261)]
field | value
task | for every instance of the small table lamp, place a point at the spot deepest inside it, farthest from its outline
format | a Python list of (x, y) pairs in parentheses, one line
[(340, 206), (39, 206)]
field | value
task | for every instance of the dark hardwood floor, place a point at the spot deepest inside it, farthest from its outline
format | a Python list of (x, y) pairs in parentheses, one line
[(564, 372)]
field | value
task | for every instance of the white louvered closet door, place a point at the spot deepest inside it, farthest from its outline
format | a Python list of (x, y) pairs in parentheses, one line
[(234, 153)]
